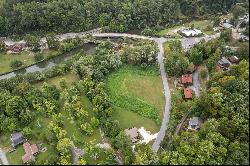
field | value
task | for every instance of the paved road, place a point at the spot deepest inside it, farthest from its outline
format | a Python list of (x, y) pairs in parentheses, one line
[(161, 133), (159, 41), (3, 157), (196, 83)]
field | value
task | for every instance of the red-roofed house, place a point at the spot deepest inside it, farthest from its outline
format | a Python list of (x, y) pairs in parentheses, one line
[(30, 152), (188, 93), (187, 79)]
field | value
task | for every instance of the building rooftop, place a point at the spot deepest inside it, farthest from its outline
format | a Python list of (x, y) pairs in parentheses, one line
[(224, 61), (30, 151), (133, 134), (186, 79), (191, 32), (16, 139), (233, 59), (227, 25), (194, 123), (188, 93)]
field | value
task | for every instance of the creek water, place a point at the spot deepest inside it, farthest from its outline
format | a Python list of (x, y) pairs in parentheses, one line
[(89, 48)]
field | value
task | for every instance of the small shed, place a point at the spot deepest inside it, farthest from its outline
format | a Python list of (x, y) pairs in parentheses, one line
[(227, 25), (194, 124), (16, 139), (223, 62), (187, 79), (133, 133), (188, 93)]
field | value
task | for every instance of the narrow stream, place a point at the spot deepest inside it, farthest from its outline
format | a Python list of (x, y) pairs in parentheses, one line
[(89, 48)]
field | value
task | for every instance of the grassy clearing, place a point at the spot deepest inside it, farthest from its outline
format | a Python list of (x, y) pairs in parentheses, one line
[(26, 57), (69, 78), (137, 95), (202, 25), (15, 158), (129, 119)]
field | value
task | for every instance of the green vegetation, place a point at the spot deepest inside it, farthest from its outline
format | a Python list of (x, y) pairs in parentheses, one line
[(176, 62), (137, 90), (126, 15), (205, 26), (26, 58), (15, 158), (16, 64), (69, 78)]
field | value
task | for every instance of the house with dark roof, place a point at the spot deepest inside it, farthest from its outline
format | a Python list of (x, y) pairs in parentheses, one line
[(194, 124), (188, 93), (186, 79), (133, 134), (16, 139), (30, 152), (224, 63)]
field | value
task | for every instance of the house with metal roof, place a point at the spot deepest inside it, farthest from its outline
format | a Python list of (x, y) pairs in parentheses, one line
[(224, 62), (194, 124), (16, 139)]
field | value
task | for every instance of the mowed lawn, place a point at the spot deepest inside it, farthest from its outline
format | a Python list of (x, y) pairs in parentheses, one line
[(132, 88), (6, 59), (69, 78), (27, 58)]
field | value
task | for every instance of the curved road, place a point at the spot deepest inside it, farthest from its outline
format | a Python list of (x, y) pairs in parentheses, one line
[(166, 90), (159, 41)]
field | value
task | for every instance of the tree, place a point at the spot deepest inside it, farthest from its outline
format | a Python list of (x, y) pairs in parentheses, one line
[(226, 35), (176, 64), (237, 11), (145, 155), (52, 42), (33, 42), (196, 56), (216, 21), (94, 122), (38, 57), (204, 73), (2, 46)]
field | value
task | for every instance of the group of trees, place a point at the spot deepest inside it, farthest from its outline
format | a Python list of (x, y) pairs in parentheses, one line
[(223, 107), (143, 54), (176, 62), (20, 16), (75, 15)]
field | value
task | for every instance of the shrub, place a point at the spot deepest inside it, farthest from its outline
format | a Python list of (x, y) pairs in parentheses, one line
[(203, 73), (38, 57), (16, 64), (2, 47)]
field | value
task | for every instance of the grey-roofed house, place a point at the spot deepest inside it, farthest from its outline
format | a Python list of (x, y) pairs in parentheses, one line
[(227, 25), (16, 139), (243, 38), (194, 124), (224, 62), (133, 134)]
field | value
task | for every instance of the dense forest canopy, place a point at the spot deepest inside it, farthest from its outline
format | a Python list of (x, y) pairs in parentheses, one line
[(24, 16)]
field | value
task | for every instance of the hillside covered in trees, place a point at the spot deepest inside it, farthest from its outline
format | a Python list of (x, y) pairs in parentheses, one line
[(24, 16)]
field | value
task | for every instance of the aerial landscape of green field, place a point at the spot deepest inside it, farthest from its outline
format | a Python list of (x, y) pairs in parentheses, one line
[(124, 82)]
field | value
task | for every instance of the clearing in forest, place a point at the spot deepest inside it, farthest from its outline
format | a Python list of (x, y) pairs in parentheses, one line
[(137, 95)]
